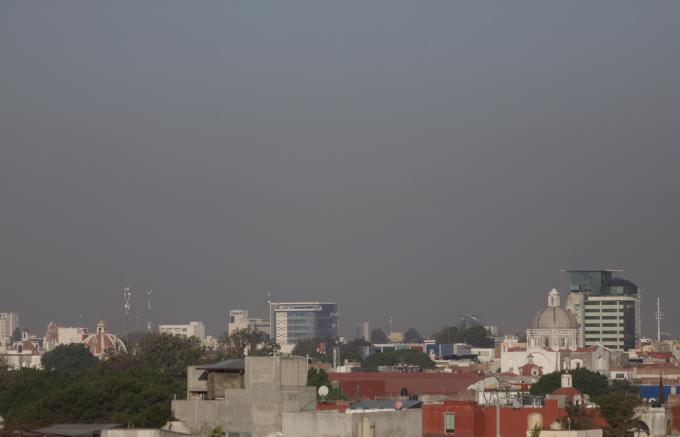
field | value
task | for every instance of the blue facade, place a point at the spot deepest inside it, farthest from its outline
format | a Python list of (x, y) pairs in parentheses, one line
[(652, 391)]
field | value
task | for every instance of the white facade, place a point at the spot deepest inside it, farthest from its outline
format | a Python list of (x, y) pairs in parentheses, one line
[(604, 319), (9, 322), (553, 343), (554, 327), (70, 335), (238, 319), (192, 329)]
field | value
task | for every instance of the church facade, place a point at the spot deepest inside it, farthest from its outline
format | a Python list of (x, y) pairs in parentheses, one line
[(553, 343)]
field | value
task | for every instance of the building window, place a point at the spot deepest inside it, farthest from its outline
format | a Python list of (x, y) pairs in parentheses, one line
[(449, 422)]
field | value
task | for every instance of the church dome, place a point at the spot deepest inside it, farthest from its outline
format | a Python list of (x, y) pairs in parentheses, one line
[(553, 316)]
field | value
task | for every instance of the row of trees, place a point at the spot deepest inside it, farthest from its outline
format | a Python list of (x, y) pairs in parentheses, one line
[(134, 388), (476, 336)]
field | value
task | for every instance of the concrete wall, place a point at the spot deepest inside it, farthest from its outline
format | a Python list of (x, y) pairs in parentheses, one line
[(141, 433), (567, 433), (406, 423), (219, 382), (256, 411), (193, 383), (268, 372)]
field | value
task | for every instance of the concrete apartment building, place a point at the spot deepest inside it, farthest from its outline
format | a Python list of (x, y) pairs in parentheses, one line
[(192, 329), (9, 322), (295, 321), (238, 319), (269, 396)]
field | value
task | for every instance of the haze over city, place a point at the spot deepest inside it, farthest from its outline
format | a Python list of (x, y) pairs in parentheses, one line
[(405, 159)]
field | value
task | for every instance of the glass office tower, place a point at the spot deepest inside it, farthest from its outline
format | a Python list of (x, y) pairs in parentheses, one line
[(294, 321)]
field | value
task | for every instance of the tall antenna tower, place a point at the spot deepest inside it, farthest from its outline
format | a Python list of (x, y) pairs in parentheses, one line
[(659, 316), (127, 295), (148, 310)]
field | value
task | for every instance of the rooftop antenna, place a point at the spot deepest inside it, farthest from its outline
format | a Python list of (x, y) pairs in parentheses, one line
[(659, 316), (127, 294), (391, 324), (148, 310)]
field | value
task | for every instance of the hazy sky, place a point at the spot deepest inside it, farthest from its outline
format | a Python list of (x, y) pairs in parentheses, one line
[(418, 159)]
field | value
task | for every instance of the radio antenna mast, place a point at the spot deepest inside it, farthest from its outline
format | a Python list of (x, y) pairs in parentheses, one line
[(659, 316), (127, 294), (148, 310)]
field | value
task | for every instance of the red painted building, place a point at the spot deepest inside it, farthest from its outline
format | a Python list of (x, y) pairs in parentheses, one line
[(373, 385), (472, 420)]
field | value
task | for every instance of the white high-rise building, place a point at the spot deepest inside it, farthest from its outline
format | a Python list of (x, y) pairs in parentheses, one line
[(238, 319), (9, 322), (192, 329)]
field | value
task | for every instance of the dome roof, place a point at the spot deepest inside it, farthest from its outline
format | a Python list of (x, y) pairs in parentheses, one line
[(554, 317)]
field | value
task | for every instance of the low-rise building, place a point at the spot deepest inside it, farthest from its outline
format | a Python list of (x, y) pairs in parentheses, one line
[(238, 319), (192, 329), (245, 396)]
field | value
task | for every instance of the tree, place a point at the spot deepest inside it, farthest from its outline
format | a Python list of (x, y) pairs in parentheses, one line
[(477, 336), (315, 348), (661, 397), (378, 336), (68, 358), (412, 336), (591, 383), (447, 335), (352, 350), (168, 353), (400, 357), (578, 417), (248, 341), (318, 377), (620, 412)]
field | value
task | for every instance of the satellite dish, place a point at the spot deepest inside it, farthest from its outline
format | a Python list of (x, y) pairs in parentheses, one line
[(398, 405), (323, 391)]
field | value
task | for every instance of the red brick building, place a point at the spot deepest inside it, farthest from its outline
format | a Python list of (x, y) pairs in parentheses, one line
[(374, 385), (472, 420)]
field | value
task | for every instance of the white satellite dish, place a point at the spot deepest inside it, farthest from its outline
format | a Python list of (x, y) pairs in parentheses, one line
[(323, 391)]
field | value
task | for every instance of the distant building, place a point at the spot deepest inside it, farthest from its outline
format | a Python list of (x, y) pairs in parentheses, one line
[(25, 353), (238, 319), (294, 321), (9, 322), (58, 335), (362, 331), (365, 331), (606, 307), (102, 343), (192, 329)]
